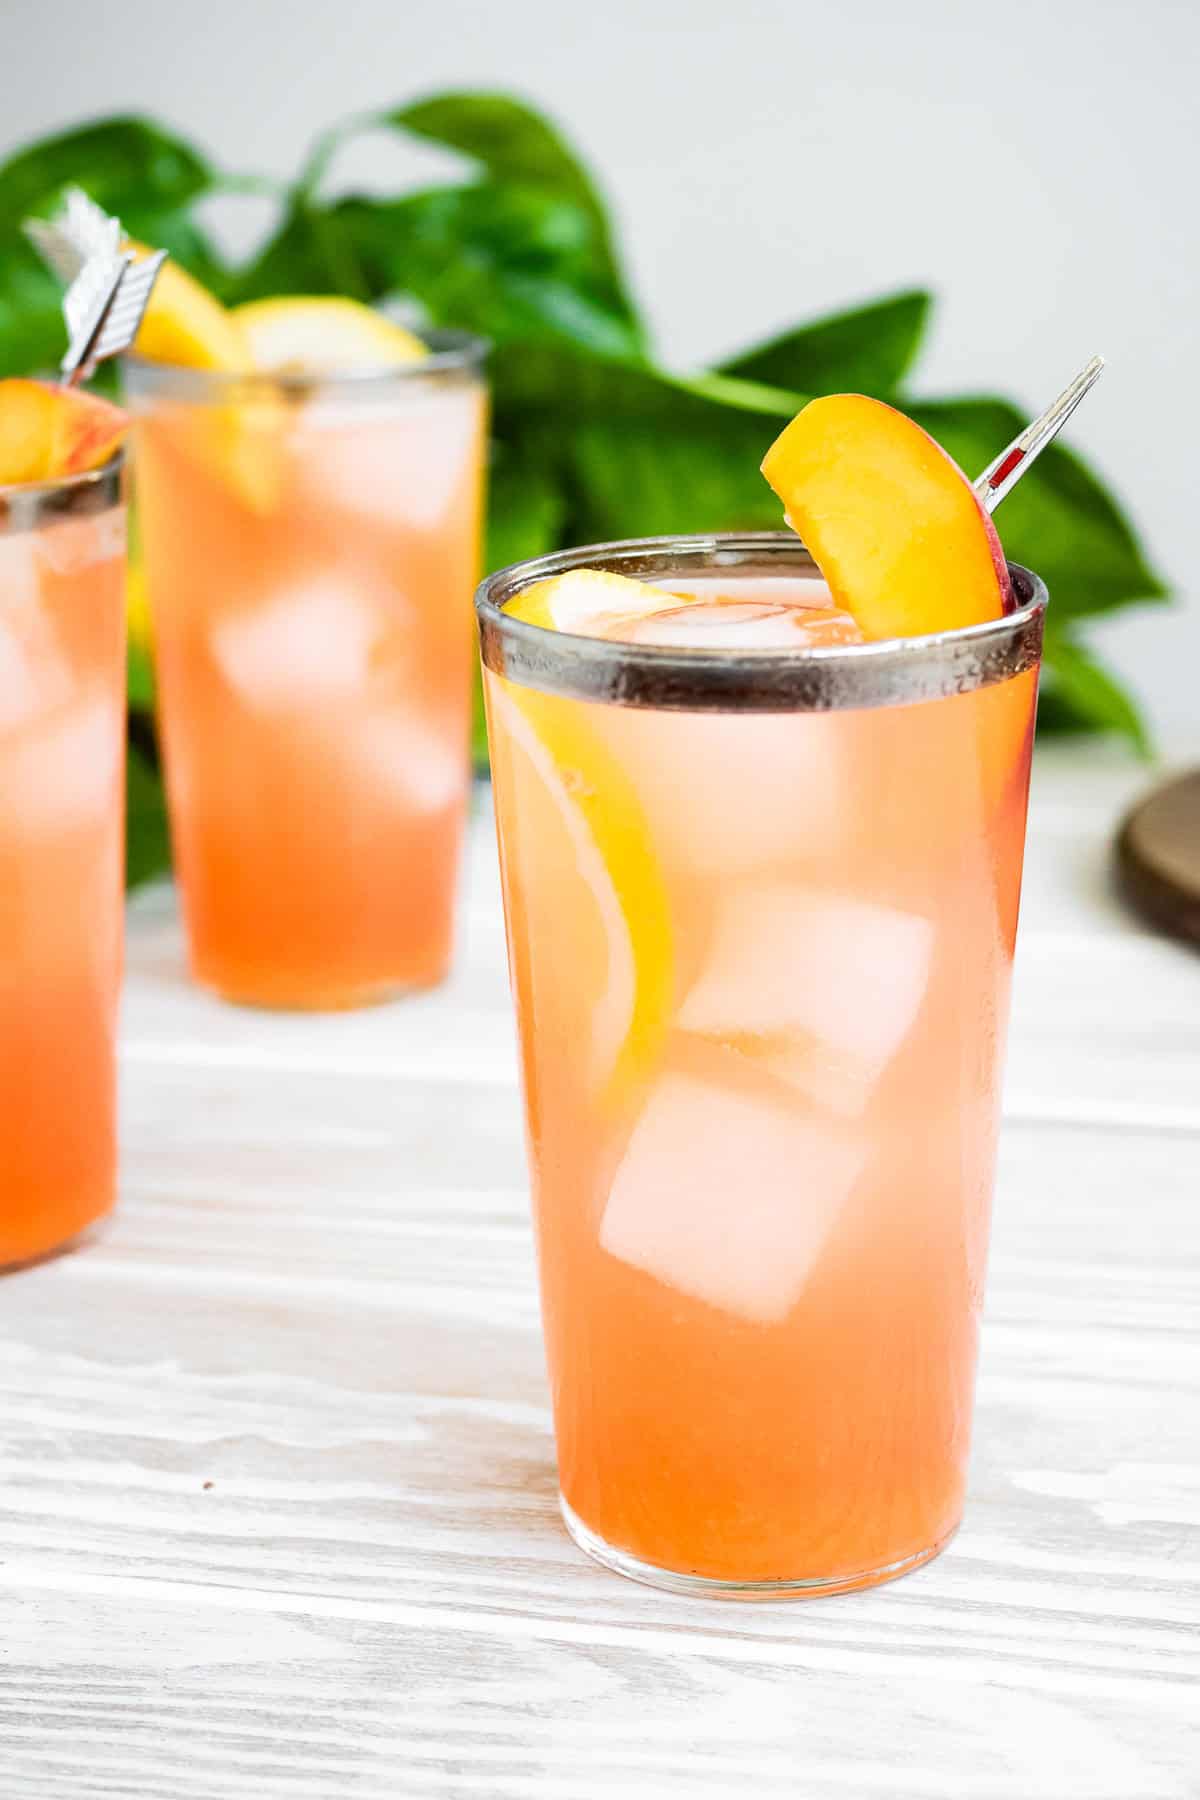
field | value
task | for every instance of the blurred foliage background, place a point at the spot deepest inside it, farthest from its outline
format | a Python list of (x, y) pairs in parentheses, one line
[(592, 438)]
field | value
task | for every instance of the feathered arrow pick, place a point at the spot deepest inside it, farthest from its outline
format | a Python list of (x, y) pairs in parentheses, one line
[(107, 287)]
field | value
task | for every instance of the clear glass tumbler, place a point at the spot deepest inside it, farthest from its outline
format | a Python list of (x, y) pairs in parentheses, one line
[(310, 547), (62, 748), (761, 909)]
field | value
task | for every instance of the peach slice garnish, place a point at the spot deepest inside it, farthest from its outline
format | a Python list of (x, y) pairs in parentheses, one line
[(48, 433), (905, 546), (890, 518)]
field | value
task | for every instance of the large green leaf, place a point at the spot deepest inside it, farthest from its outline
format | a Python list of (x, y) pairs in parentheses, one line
[(1079, 694), (514, 263), (526, 508), (867, 350), (32, 334), (639, 452), (518, 147), (310, 253), (131, 166)]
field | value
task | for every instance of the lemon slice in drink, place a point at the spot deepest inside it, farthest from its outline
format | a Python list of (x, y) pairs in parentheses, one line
[(584, 870), (588, 602), (323, 336)]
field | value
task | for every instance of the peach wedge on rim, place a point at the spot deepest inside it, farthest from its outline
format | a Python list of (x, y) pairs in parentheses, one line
[(48, 433), (890, 519)]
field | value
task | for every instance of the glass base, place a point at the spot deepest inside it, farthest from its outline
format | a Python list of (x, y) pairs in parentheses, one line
[(705, 1587), (317, 999), (78, 1239)]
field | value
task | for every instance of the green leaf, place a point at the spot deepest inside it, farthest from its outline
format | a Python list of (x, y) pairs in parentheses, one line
[(131, 166), (139, 676), (1059, 521), (1080, 694), (147, 843), (516, 146), (639, 452), (526, 508), (32, 334), (867, 350), (513, 263), (311, 253)]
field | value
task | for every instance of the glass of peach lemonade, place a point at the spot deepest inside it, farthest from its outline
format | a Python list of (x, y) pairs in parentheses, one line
[(62, 743), (309, 488), (761, 816)]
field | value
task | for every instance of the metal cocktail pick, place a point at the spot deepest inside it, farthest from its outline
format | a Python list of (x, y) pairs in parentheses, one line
[(1004, 471), (107, 287)]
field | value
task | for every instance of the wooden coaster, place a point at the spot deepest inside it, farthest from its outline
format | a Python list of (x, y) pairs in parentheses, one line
[(1158, 856)]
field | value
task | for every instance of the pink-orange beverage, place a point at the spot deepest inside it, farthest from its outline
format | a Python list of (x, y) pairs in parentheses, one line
[(62, 737), (310, 548), (761, 884)]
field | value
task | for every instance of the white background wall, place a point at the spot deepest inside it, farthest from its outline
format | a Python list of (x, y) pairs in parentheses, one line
[(1036, 160)]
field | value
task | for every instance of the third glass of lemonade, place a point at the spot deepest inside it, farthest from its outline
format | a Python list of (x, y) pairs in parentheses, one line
[(62, 806), (761, 883), (310, 547)]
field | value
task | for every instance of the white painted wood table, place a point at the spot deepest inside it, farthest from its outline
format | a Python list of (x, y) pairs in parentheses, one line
[(277, 1507)]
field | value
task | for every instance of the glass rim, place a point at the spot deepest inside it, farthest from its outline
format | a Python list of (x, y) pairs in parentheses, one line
[(889, 672), (28, 505), (451, 353)]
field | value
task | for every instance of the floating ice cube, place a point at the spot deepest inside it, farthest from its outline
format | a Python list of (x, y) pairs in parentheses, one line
[(303, 647), (743, 625), (728, 1195), (403, 466), (824, 988), (422, 765), (64, 772), (34, 674)]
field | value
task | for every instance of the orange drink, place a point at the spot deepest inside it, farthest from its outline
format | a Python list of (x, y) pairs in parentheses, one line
[(761, 882), (62, 739), (310, 546)]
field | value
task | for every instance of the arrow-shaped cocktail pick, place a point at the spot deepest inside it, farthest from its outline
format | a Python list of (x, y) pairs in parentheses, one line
[(108, 288), (1004, 471)]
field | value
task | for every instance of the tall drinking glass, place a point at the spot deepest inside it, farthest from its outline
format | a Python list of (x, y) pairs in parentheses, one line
[(761, 909), (310, 548), (62, 744)]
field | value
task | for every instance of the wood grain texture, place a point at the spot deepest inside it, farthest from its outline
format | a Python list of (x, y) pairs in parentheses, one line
[(277, 1505)]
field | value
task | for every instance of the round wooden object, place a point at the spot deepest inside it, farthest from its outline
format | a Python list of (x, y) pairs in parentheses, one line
[(1158, 856)]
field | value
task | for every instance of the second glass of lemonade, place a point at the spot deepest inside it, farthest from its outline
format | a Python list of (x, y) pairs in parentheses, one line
[(310, 548), (761, 903)]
